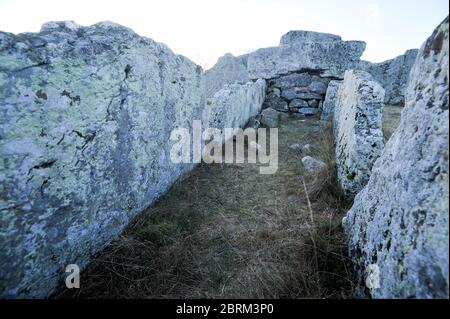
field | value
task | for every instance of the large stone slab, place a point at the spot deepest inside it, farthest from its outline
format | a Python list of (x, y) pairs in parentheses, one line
[(393, 75), (323, 54), (357, 129), (331, 98), (270, 118), (399, 223), (292, 94), (84, 143), (308, 110), (292, 80), (300, 36), (228, 70), (234, 105)]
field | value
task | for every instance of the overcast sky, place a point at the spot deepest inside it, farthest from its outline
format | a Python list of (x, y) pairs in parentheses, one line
[(204, 30)]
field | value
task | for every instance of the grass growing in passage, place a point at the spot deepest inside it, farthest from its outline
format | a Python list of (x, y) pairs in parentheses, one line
[(391, 120), (228, 232)]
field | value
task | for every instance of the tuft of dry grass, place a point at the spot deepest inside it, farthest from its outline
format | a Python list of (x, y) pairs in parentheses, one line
[(391, 120), (226, 231)]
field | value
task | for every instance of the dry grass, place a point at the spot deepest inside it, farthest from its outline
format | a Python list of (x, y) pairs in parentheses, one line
[(391, 120), (228, 232)]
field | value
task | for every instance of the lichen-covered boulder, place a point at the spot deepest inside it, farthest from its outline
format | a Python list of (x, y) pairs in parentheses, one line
[(324, 54), (234, 105), (318, 87), (357, 129), (86, 115), (393, 76), (399, 223), (270, 118), (228, 70), (297, 104), (330, 100)]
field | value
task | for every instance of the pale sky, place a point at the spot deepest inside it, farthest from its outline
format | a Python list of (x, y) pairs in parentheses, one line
[(204, 30)]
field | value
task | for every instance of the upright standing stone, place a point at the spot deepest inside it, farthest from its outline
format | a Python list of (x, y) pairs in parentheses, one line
[(393, 75), (87, 114), (234, 105), (357, 129), (228, 70), (301, 36), (330, 100), (399, 223)]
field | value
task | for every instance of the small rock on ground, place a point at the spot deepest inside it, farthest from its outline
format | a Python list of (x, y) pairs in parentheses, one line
[(313, 165)]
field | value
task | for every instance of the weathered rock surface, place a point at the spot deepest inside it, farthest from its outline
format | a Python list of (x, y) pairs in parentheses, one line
[(300, 36), (393, 75), (276, 102), (297, 92), (318, 87), (326, 55), (357, 129), (234, 105), (400, 221), (330, 100), (228, 70), (296, 80), (313, 165), (86, 118), (313, 103), (297, 104), (292, 94), (270, 117)]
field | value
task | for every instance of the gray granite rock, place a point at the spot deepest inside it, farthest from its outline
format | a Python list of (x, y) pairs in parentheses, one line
[(313, 103), (276, 102), (330, 100), (234, 105), (306, 51), (399, 223), (86, 118), (318, 87), (228, 70), (297, 103), (393, 75), (313, 165), (292, 94), (270, 118), (300, 36), (85, 141), (357, 129)]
